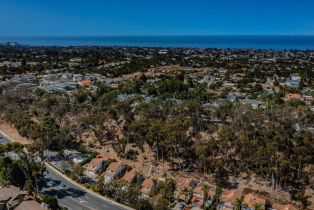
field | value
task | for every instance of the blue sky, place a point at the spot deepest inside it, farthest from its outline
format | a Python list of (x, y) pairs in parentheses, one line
[(156, 17)]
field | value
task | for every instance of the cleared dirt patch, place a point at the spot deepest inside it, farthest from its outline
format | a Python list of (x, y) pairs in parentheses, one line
[(12, 133)]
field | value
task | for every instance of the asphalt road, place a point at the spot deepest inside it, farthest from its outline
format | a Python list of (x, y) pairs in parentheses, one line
[(72, 197), (3, 139)]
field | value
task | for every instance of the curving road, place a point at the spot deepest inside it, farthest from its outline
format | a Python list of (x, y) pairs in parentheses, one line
[(72, 197), (69, 195)]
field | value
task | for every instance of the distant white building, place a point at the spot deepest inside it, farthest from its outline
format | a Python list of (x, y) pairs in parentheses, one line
[(78, 77), (295, 77), (75, 156), (294, 80), (208, 79), (222, 72)]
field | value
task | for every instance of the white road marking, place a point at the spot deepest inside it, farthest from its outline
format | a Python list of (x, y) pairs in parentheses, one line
[(87, 197), (75, 200), (82, 201)]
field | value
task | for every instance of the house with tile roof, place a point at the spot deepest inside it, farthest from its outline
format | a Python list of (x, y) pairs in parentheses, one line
[(228, 197), (10, 195), (94, 167), (148, 185), (114, 170), (198, 197), (185, 182), (30, 205), (130, 176)]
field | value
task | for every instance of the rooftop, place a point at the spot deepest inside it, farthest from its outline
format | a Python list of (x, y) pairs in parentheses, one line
[(10, 192), (30, 205)]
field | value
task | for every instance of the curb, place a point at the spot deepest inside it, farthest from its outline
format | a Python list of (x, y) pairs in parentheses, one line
[(87, 190)]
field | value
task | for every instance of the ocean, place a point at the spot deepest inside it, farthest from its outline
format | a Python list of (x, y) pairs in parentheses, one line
[(233, 42)]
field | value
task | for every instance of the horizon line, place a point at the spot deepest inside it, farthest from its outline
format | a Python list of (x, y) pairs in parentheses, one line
[(195, 35)]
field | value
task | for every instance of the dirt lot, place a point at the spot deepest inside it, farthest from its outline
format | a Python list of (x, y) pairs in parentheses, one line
[(12, 133)]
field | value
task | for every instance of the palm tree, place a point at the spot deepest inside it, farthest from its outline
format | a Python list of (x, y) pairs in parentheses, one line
[(238, 203), (257, 206), (78, 172), (205, 189), (216, 198), (186, 193), (32, 172)]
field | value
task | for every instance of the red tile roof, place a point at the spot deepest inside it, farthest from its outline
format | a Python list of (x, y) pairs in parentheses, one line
[(94, 163), (147, 185), (230, 195), (197, 201), (199, 190), (293, 96), (85, 83), (129, 176), (112, 168)]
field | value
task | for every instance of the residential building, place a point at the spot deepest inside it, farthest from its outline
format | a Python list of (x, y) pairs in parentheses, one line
[(255, 104), (77, 77), (232, 98), (207, 79), (30, 204), (10, 196), (292, 96), (130, 176), (308, 99), (185, 182), (228, 197), (94, 167), (293, 81), (75, 156), (198, 197), (296, 77), (51, 155), (222, 72), (114, 170), (84, 83), (123, 97), (148, 185)]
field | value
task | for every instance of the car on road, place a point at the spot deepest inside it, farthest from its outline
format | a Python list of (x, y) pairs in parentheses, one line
[(49, 184)]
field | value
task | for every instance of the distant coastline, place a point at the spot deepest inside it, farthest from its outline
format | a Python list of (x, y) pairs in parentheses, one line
[(278, 42)]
